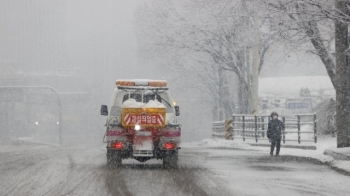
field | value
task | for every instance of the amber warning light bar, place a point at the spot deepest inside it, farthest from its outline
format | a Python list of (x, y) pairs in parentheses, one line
[(152, 83)]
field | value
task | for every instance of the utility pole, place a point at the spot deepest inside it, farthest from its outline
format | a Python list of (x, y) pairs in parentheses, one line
[(342, 70)]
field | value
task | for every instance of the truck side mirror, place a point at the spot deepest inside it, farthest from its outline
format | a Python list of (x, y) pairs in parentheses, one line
[(177, 111), (104, 110)]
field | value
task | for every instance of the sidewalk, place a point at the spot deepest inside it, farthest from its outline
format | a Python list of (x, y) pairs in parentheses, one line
[(288, 144), (325, 152)]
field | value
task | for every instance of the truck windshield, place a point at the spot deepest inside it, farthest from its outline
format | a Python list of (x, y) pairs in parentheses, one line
[(146, 98), (162, 97)]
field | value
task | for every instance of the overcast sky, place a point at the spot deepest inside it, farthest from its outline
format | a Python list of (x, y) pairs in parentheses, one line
[(95, 41)]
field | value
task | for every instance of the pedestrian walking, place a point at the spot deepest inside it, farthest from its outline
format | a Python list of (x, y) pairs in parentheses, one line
[(274, 132)]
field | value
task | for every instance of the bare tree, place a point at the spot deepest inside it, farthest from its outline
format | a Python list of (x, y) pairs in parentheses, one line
[(321, 23), (218, 30)]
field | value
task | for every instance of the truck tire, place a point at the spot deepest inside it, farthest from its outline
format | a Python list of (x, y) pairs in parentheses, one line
[(170, 160), (114, 161)]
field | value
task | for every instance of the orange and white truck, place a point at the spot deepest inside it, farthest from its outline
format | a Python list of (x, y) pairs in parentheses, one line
[(142, 123)]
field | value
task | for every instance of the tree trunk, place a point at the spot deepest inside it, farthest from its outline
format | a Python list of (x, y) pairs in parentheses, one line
[(240, 98), (221, 91), (341, 87), (255, 66), (244, 96)]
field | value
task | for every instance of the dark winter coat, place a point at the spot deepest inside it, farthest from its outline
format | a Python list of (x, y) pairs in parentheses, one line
[(274, 130)]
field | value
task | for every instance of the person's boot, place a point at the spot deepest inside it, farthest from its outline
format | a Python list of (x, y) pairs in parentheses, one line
[(271, 150)]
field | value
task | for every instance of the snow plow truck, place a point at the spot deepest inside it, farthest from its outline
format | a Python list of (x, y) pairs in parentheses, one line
[(142, 124)]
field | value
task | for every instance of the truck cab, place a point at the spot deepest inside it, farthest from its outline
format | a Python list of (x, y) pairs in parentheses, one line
[(142, 123)]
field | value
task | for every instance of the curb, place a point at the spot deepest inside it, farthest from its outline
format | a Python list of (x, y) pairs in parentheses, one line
[(315, 160), (309, 159), (287, 146), (217, 136), (327, 163), (337, 156), (337, 169)]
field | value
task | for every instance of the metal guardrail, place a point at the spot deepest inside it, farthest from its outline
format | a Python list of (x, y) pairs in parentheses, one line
[(254, 127)]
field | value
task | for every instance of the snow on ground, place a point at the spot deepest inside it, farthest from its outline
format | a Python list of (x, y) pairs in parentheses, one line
[(324, 143), (81, 170), (252, 172)]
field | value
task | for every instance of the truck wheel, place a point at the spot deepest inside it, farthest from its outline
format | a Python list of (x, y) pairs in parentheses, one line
[(114, 161), (170, 160)]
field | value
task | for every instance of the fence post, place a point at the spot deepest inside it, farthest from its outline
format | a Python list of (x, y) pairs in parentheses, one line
[(243, 117), (259, 127), (262, 127), (284, 135), (315, 128), (228, 129), (298, 128), (256, 129)]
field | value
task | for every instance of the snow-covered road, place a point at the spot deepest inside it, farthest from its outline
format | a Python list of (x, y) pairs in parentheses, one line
[(82, 171), (43, 170)]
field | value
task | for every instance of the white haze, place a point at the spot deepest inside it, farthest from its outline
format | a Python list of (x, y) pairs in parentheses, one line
[(83, 46)]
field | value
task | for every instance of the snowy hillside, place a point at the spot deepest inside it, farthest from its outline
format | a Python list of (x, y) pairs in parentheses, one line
[(292, 85)]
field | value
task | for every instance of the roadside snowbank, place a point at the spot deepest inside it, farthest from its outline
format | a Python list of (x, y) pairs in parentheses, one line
[(292, 85), (315, 154)]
